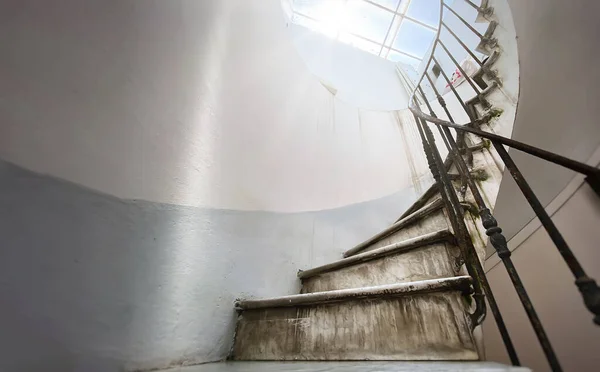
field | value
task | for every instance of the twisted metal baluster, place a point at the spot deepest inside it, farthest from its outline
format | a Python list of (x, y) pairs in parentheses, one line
[(587, 286), (481, 205), (456, 219)]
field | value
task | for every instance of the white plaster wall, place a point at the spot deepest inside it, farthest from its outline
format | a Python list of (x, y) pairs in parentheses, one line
[(557, 102), (199, 103), (557, 112), (203, 109), (93, 283), (360, 78)]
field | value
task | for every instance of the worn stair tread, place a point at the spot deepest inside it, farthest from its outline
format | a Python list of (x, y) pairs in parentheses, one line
[(425, 320), (433, 189), (419, 203), (408, 220), (406, 245), (351, 366), (457, 283)]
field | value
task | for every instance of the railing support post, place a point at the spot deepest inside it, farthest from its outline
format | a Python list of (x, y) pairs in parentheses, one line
[(454, 210), (587, 286), (463, 169), (501, 246), (590, 291), (472, 262)]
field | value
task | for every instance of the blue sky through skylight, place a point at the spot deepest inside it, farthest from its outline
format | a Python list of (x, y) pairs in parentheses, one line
[(426, 11), (398, 30)]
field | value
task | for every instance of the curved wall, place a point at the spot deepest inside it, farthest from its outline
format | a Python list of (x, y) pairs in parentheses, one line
[(357, 77), (198, 103), (205, 112), (91, 282), (556, 109)]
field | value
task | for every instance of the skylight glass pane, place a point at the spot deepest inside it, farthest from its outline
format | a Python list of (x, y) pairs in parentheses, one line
[(360, 43), (366, 20), (399, 57), (426, 11), (413, 38), (364, 25), (390, 4)]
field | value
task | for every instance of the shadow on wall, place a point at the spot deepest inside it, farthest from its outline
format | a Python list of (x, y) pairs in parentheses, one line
[(91, 282)]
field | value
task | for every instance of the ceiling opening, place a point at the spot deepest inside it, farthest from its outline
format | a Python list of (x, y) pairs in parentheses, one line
[(396, 30)]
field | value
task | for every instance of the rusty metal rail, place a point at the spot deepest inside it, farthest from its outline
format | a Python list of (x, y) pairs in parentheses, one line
[(456, 147)]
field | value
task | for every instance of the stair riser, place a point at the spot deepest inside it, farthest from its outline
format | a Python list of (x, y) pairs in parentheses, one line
[(433, 222), (421, 327), (429, 262), (484, 160)]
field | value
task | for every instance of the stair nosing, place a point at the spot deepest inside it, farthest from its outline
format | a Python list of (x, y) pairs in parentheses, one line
[(431, 190), (457, 283), (400, 247), (419, 203), (415, 216)]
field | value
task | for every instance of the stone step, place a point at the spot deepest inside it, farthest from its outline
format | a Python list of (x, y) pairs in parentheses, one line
[(429, 256), (427, 219), (350, 366), (423, 320), (427, 197), (432, 192)]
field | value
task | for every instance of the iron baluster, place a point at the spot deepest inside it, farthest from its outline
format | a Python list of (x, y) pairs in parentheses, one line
[(483, 210), (481, 37), (458, 97), (460, 69), (587, 286), (465, 47), (576, 166), (457, 221), (482, 10)]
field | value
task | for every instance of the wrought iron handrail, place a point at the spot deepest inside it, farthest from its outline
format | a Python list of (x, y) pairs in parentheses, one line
[(587, 286)]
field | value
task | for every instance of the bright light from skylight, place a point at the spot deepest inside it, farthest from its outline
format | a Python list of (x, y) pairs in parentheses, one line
[(397, 30)]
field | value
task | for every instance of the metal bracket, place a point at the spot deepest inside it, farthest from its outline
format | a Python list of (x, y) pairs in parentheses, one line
[(488, 42), (484, 12)]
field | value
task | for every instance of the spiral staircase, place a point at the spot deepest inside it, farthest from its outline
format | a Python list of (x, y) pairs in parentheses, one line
[(413, 296), (406, 293)]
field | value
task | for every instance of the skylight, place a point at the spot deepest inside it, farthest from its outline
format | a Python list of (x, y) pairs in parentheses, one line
[(397, 30)]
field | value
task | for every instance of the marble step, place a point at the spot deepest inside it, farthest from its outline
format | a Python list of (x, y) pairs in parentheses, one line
[(423, 320), (429, 256)]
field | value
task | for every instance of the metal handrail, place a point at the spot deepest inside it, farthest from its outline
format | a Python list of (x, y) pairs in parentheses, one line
[(587, 286)]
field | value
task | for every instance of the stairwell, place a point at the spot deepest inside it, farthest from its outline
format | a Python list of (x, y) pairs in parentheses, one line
[(400, 295), (404, 294), (221, 185)]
